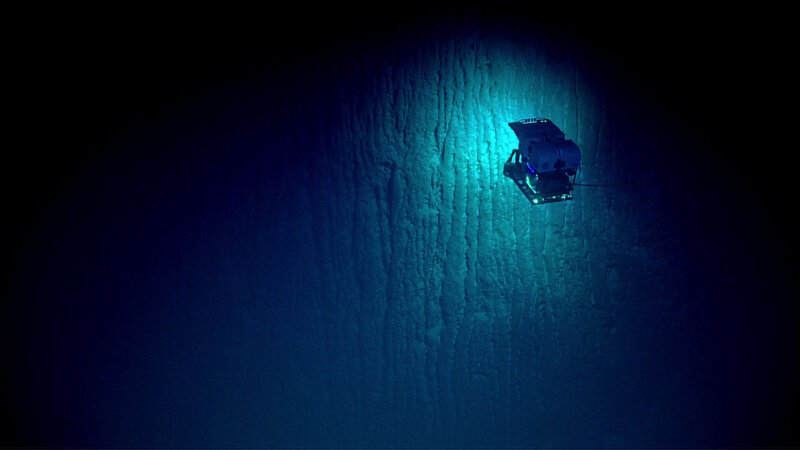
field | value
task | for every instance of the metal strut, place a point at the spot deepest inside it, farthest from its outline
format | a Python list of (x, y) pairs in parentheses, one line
[(516, 171)]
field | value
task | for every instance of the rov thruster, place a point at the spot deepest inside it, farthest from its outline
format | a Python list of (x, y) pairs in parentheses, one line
[(545, 164)]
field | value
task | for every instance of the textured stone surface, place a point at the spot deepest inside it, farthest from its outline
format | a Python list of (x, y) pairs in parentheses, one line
[(445, 309), (329, 255)]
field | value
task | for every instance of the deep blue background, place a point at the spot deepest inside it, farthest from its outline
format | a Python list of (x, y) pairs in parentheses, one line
[(134, 144)]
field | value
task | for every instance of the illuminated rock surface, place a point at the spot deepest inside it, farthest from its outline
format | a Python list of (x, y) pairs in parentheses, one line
[(338, 260)]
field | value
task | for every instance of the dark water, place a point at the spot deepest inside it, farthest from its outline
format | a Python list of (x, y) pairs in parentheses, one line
[(304, 239)]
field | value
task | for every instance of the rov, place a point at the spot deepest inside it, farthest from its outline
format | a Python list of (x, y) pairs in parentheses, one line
[(545, 164)]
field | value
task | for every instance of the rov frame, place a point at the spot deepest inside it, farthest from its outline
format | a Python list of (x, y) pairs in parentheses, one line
[(545, 165)]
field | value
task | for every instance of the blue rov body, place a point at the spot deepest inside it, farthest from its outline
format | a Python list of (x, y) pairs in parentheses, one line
[(545, 164)]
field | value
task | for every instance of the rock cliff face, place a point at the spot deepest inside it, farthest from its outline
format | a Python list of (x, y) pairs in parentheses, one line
[(331, 256), (440, 307)]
